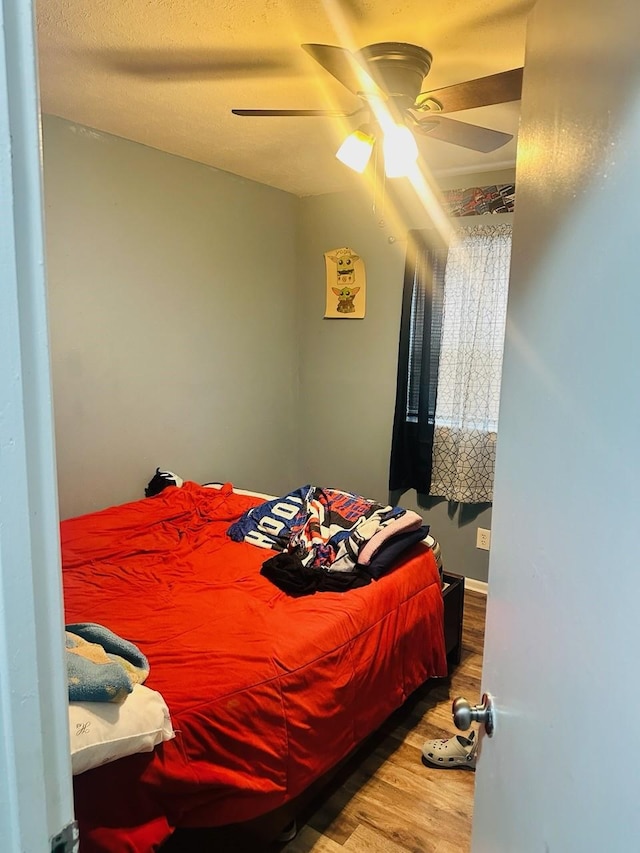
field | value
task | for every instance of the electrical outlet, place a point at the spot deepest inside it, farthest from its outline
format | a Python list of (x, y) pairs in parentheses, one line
[(483, 539)]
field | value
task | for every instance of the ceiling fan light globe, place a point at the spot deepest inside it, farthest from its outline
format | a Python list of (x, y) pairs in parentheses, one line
[(400, 151), (355, 151)]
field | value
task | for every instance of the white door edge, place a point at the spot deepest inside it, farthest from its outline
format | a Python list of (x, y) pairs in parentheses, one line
[(37, 801)]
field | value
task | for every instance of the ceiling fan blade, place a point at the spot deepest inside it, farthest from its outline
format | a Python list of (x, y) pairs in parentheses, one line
[(461, 133), (344, 66), (334, 113), (482, 92)]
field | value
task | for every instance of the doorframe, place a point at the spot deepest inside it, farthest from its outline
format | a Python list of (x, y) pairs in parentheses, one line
[(37, 804)]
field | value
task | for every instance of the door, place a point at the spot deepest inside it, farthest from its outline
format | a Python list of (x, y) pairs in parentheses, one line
[(561, 772), (36, 805)]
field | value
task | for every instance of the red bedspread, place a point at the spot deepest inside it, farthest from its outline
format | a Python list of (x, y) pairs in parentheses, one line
[(266, 692)]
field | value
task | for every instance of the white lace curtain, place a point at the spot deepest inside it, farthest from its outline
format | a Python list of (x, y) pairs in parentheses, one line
[(466, 421)]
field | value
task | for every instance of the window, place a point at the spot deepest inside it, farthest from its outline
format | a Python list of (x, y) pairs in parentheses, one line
[(450, 365)]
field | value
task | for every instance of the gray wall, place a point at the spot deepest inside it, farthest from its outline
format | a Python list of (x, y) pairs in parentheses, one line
[(186, 310), (348, 367), (171, 297)]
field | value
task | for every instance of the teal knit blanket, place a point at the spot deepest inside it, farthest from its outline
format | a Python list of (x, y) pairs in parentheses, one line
[(101, 666)]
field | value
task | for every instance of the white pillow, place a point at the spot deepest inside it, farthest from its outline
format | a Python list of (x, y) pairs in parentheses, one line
[(241, 491), (101, 732)]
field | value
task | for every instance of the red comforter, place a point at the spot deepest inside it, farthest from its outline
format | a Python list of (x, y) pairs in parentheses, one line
[(266, 692)]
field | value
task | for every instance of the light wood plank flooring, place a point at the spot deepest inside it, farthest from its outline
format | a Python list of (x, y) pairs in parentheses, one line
[(386, 800)]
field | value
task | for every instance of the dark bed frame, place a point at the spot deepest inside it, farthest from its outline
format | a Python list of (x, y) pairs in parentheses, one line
[(261, 834)]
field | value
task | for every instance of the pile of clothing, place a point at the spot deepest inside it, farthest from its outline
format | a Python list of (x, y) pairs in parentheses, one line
[(328, 540)]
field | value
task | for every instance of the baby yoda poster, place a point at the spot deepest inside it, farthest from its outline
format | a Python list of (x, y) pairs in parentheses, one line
[(346, 284)]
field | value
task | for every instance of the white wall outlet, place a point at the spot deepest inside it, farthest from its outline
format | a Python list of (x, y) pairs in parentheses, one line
[(483, 539)]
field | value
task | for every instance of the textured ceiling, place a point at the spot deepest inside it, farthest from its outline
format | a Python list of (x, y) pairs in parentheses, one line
[(166, 73)]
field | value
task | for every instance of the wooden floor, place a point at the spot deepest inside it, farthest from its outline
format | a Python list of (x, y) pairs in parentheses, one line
[(386, 800)]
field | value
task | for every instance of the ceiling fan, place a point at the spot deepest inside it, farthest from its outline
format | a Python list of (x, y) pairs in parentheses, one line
[(392, 73)]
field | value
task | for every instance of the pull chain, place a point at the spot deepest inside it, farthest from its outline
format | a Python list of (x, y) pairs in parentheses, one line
[(377, 183), (375, 179)]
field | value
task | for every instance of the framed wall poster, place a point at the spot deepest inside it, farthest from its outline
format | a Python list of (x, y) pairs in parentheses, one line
[(346, 284)]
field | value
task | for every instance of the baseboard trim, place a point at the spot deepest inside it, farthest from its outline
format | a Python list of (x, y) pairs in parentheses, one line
[(476, 586)]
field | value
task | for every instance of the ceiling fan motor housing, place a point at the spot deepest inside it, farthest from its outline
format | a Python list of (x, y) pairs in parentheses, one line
[(399, 68)]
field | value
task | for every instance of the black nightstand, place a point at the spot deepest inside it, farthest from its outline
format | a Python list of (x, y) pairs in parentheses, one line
[(453, 595)]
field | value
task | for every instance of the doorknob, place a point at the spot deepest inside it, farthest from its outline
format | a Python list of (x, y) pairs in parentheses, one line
[(464, 714)]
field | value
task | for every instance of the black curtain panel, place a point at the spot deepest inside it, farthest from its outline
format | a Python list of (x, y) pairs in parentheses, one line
[(418, 358)]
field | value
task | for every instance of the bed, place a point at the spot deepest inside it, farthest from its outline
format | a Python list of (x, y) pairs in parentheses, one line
[(266, 692)]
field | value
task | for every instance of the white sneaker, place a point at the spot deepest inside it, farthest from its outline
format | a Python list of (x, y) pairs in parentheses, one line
[(456, 752)]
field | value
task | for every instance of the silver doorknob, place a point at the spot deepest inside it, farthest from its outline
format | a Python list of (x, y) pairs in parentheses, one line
[(464, 714)]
